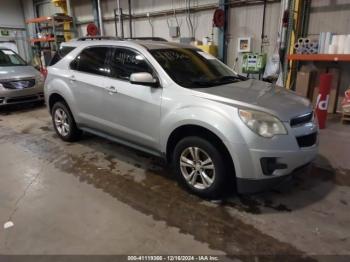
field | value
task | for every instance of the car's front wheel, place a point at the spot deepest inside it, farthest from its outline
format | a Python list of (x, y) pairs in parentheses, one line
[(200, 166), (64, 123)]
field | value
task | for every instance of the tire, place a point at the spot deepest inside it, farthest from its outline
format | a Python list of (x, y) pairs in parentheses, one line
[(64, 123), (211, 161)]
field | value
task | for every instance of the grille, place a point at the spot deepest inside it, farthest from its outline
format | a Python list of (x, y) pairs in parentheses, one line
[(308, 140), (21, 99), (300, 120), (19, 84)]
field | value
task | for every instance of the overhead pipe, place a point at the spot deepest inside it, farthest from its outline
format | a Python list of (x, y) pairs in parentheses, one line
[(100, 20), (69, 8), (200, 8), (263, 27), (130, 19)]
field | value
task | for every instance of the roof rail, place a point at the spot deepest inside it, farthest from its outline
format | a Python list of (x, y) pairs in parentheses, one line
[(84, 38), (159, 39)]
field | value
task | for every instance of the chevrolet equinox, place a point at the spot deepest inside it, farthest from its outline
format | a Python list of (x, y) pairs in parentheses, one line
[(178, 102)]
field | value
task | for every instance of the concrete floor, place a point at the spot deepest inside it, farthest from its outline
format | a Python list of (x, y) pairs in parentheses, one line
[(97, 197)]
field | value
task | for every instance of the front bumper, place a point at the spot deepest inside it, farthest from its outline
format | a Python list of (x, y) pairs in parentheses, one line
[(13, 97), (253, 179), (249, 186)]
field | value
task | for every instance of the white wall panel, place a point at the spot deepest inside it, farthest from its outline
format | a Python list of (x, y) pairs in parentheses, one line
[(47, 9), (82, 10), (11, 14), (247, 22), (330, 16)]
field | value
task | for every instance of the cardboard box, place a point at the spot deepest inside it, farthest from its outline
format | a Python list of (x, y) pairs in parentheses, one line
[(315, 87), (304, 81), (333, 95)]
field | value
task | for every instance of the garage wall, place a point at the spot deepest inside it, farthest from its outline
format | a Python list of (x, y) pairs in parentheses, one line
[(83, 12), (247, 22), (12, 20), (244, 21), (11, 14)]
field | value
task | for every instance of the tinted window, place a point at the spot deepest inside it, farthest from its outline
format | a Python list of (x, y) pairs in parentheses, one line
[(193, 68), (124, 62), (10, 58), (92, 60), (60, 53)]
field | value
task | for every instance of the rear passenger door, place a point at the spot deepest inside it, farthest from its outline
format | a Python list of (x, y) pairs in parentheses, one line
[(132, 110), (89, 82)]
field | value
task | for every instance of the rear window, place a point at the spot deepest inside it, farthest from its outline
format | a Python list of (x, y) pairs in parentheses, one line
[(62, 52)]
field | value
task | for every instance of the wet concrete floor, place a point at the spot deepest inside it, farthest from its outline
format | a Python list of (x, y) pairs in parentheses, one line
[(97, 197)]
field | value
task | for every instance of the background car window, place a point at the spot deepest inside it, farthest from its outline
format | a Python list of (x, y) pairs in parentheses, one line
[(124, 62), (10, 58), (62, 52), (92, 60)]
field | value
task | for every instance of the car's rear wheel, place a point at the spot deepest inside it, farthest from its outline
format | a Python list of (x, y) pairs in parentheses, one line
[(200, 166), (64, 123)]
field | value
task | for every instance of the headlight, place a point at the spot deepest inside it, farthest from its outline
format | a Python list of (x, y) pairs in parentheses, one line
[(262, 124)]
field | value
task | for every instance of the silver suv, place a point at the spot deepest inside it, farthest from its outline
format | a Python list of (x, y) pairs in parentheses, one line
[(177, 102)]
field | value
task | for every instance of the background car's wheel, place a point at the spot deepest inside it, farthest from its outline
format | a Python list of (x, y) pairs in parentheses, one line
[(200, 166), (64, 123)]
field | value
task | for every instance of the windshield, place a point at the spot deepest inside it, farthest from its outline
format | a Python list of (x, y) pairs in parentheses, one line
[(10, 58), (193, 68)]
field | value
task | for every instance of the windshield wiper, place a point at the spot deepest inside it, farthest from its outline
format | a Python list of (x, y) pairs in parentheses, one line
[(219, 81)]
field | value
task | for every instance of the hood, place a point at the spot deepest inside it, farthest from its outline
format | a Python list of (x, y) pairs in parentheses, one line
[(17, 72), (260, 95)]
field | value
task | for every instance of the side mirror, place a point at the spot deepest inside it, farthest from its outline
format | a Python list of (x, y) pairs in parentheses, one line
[(144, 78)]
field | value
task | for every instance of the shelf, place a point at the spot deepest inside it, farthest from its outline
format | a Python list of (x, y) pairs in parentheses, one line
[(43, 39), (41, 19), (320, 57), (46, 19)]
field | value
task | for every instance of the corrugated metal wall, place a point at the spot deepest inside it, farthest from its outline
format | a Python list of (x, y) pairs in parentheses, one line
[(247, 21), (11, 18), (244, 21)]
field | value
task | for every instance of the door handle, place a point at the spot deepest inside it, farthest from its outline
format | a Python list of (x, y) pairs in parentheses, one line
[(112, 89), (72, 78)]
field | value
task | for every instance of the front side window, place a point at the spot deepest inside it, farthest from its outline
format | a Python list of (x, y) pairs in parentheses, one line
[(92, 60), (193, 68), (10, 58), (125, 62)]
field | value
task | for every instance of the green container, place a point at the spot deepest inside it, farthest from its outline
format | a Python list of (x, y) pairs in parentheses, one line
[(253, 63)]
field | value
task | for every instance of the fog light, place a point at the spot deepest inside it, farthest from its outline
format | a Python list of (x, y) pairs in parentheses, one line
[(269, 165)]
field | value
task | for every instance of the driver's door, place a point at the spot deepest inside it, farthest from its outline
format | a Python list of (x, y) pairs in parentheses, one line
[(132, 111)]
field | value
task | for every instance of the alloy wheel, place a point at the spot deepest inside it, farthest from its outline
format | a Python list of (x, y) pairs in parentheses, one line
[(197, 167), (61, 122)]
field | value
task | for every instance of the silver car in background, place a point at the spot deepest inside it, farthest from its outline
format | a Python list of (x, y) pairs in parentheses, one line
[(19, 82), (180, 103)]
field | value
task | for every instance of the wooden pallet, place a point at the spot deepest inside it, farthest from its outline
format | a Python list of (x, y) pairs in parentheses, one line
[(346, 118)]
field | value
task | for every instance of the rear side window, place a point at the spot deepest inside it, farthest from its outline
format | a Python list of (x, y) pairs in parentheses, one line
[(62, 52), (92, 60), (124, 62)]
